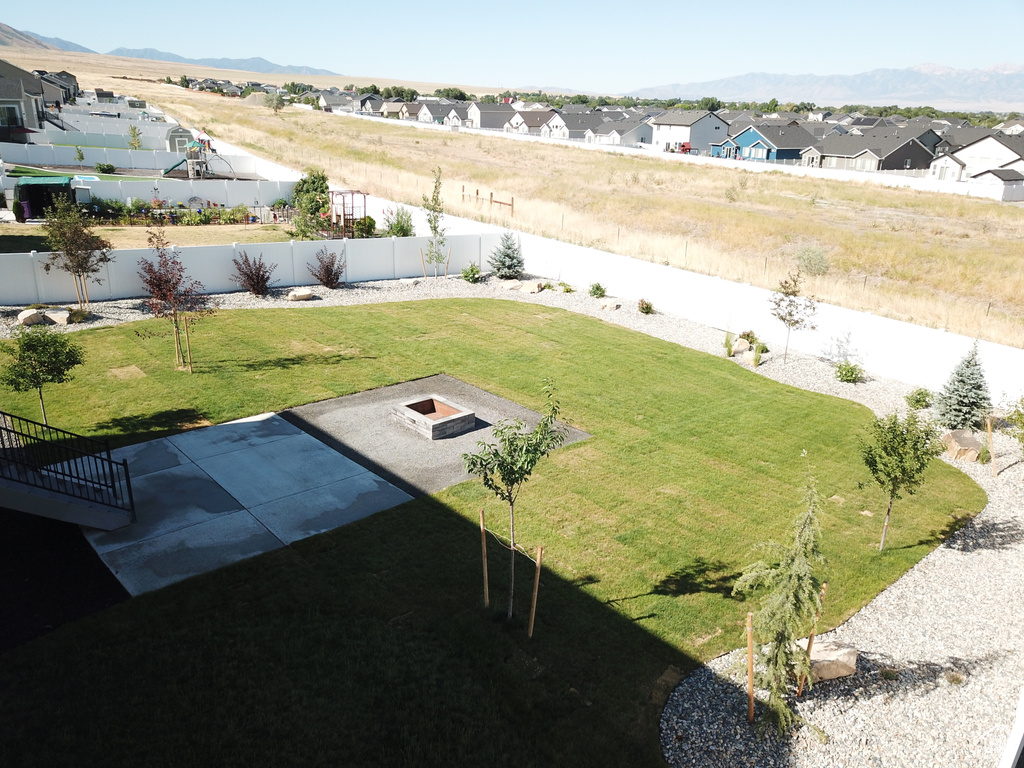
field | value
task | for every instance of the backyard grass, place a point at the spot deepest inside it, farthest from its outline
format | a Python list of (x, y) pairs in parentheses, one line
[(368, 645), (23, 238)]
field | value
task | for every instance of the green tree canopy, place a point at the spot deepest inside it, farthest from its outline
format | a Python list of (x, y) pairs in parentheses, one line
[(40, 355)]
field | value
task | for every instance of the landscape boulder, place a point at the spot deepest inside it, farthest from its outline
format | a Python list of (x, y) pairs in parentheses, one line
[(748, 357), (831, 659), (300, 294), (58, 316), (512, 285), (740, 346), (961, 444), (31, 316), (532, 287), (610, 304)]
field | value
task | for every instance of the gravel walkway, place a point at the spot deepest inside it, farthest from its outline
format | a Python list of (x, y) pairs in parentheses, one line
[(942, 658)]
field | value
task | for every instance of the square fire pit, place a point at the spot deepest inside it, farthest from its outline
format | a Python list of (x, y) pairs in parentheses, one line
[(434, 416)]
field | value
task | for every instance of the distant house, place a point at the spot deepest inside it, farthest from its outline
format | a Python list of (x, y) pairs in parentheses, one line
[(232, 90), (997, 151), (21, 103), (494, 116), (1008, 183), (433, 111), (766, 142), (628, 132), (572, 127), (528, 121), (457, 116), (330, 102), (1012, 127), (696, 129), (947, 168), (392, 109), (877, 152)]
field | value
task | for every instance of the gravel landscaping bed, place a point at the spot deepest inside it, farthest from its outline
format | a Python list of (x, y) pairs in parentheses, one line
[(942, 658)]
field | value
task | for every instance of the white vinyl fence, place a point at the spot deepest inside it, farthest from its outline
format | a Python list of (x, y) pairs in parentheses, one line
[(222, 192), (25, 282)]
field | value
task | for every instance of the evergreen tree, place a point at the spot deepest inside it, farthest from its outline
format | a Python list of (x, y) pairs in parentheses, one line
[(507, 260), (965, 398), (789, 604)]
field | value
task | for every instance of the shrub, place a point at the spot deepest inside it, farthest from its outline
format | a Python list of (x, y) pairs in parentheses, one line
[(919, 399), (237, 215), (198, 218), (1015, 421), (329, 270), (984, 455), (597, 291), (566, 288), (279, 203), (849, 373), (78, 315), (471, 274), (107, 168), (398, 222), (364, 227), (964, 399), (729, 338), (812, 261), (547, 287), (507, 259), (759, 349), (645, 307), (253, 274)]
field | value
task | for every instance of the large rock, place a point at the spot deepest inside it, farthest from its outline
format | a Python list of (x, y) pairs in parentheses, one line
[(532, 287), (831, 659), (610, 304), (961, 444), (58, 316), (300, 294), (740, 346), (31, 316), (511, 285)]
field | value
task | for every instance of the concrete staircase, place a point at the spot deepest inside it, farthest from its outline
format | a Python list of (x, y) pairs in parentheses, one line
[(53, 473)]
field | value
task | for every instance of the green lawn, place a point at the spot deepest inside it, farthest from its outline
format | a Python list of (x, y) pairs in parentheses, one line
[(368, 645)]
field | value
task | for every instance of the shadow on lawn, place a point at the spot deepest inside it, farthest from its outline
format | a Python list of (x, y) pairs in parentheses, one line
[(701, 575), (136, 427), (364, 646), (290, 361)]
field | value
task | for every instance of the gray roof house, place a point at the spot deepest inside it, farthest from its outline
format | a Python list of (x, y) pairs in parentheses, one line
[(688, 130), (494, 116), (879, 152)]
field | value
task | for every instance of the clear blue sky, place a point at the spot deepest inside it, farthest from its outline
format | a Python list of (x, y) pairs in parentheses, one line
[(596, 46)]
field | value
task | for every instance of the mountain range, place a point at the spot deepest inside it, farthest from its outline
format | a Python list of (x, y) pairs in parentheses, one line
[(998, 87), (9, 36)]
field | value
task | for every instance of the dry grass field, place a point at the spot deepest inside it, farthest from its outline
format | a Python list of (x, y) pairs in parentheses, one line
[(937, 260)]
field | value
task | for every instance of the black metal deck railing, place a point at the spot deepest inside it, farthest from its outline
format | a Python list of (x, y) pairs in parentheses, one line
[(62, 462)]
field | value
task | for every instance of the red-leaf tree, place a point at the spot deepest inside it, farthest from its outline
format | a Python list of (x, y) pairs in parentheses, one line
[(173, 294)]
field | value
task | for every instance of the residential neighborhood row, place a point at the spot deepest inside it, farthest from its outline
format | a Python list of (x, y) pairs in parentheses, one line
[(33, 105)]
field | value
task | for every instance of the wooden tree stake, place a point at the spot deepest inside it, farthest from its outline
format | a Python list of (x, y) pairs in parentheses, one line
[(991, 448), (810, 641), (424, 263), (750, 667), (483, 547), (536, 586)]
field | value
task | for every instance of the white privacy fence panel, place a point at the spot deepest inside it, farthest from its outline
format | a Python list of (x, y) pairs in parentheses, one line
[(23, 280), (222, 192)]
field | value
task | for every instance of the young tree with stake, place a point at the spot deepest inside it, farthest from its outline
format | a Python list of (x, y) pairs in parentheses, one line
[(434, 206), (791, 309), (40, 356), (896, 453), (172, 294), (75, 248), (505, 467)]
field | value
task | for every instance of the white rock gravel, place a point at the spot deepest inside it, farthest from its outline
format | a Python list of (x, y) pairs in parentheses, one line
[(950, 628)]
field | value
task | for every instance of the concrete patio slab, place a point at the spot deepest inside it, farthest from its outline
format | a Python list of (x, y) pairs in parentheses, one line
[(165, 501), (175, 556), (200, 497), (328, 507), (269, 471)]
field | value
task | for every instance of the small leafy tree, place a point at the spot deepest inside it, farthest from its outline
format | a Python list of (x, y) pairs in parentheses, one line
[(398, 222), (434, 206), (134, 137), (507, 258), (40, 356), (364, 227), (896, 453), (311, 197), (173, 294), (791, 309), (183, 81), (274, 101), (506, 466), (76, 249), (79, 154), (790, 601), (964, 399)]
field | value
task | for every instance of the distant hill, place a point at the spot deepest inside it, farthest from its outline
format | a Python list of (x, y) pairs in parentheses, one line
[(997, 87), (246, 65), (12, 38), (64, 45)]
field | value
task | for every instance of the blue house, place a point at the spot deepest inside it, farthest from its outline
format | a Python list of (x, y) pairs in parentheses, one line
[(765, 142)]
